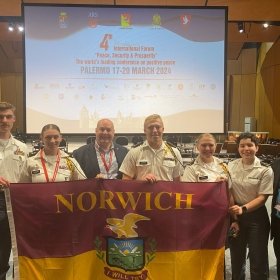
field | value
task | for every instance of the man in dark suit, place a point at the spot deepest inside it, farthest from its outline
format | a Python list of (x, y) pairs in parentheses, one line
[(275, 213), (102, 158)]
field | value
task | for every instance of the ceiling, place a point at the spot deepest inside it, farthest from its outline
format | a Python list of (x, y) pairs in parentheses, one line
[(252, 12)]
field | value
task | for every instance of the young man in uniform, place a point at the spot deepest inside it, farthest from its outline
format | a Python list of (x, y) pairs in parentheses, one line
[(155, 159), (13, 153)]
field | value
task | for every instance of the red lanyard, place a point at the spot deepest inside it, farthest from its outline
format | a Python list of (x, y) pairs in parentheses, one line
[(102, 155), (45, 168)]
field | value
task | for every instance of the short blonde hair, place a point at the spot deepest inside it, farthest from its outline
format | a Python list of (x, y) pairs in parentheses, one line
[(151, 118), (205, 135)]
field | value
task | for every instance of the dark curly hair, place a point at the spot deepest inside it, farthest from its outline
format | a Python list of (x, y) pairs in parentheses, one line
[(248, 135)]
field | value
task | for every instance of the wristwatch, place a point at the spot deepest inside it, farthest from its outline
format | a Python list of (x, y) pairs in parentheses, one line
[(244, 210)]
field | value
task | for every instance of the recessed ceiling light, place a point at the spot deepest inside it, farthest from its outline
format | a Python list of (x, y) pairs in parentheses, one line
[(265, 25), (240, 27)]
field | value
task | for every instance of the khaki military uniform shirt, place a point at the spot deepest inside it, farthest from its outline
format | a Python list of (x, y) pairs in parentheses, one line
[(13, 154), (205, 172), (163, 163), (247, 182), (68, 169)]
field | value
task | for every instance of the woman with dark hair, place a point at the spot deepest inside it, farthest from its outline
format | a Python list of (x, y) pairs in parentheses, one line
[(250, 184), (51, 164)]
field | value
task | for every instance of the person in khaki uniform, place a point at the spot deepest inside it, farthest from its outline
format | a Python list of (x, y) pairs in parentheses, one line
[(155, 159), (250, 185), (206, 167), (51, 164), (13, 153)]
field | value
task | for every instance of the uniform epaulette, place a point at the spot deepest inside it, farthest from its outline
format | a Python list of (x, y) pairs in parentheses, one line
[(70, 166), (137, 145), (170, 144), (266, 164), (31, 154), (69, 154)]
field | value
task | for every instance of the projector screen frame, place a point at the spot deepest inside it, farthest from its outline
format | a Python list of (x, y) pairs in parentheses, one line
[(140, 132)]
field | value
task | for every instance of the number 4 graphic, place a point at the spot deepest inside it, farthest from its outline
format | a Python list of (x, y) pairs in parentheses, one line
[(104, 43)]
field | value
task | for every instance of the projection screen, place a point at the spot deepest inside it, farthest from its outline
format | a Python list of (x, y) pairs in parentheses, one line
[(83, 63)]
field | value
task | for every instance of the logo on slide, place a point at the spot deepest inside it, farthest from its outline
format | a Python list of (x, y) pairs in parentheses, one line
[(62, 20), (105, 41), (92, 19), (156, 20), (125, 20), (185, 19)]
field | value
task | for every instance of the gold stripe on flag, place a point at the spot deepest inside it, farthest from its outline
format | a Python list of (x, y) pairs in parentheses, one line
[(193, 264)]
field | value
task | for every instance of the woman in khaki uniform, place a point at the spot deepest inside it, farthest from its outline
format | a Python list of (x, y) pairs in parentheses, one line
[(51, 164), (206, 167), (250, 185)]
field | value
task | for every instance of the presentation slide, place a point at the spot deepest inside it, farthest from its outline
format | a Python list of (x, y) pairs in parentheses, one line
[(83, 63)]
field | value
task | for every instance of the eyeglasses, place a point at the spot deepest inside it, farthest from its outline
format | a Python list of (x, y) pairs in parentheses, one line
[(8, 117)]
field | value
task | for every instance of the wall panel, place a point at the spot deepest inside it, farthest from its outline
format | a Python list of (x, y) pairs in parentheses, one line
[(242, 93), (266, 102), (247, 98), (249, 61), (12, 92), (269, 97), (235, 96), (276, 102)]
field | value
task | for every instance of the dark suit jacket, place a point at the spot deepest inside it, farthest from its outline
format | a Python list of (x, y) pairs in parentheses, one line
[(274, 220), (87, 158)]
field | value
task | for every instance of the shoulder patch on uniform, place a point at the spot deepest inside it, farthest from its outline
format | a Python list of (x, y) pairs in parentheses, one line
[(170, 144), (137, 145), (266, 164)]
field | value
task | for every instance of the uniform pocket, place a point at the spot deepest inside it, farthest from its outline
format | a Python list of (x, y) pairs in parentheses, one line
[(170, 163)]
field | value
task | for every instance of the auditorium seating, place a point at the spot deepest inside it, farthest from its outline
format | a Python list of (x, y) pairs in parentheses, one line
[(185, 143), (63, 145), (136, 140), (218, 148), (172, 139), (91, 139), (268, 149), (122, 140)]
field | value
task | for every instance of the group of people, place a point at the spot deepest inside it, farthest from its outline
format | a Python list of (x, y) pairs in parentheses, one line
[(250, 183)]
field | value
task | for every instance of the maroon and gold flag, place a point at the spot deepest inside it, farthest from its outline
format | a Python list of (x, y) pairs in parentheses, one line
[(112, 229)]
